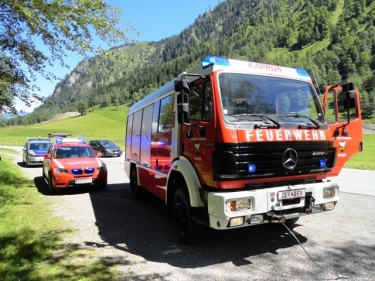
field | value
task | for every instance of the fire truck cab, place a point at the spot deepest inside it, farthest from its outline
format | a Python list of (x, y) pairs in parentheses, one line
[(233, 143)]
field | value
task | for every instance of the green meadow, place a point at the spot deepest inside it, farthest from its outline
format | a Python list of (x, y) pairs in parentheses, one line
[(106, 123), (31, 239)]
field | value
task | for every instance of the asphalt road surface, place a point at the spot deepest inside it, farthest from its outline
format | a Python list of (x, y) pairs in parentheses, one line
[(334, 245)]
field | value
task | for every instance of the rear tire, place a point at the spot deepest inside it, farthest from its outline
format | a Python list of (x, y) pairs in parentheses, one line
[(137, 191), (188, 230)]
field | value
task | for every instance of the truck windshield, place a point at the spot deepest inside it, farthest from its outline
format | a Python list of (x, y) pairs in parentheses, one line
[(269, 100)]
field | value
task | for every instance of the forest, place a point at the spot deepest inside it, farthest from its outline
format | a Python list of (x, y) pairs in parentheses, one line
[(334, 40)]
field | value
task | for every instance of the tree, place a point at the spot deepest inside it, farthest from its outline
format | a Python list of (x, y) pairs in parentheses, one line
[(61, 26), (82, 107)]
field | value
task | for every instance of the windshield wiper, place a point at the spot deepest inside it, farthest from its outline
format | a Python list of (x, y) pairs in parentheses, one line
[(266, 125), (315, 124)]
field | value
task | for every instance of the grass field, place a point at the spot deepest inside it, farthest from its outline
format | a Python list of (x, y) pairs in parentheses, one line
[(109, 123), (31, 245), (106, 123)]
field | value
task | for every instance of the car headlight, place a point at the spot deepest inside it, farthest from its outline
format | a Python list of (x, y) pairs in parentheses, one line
[(103, 167), (31, 153), (60, 170)]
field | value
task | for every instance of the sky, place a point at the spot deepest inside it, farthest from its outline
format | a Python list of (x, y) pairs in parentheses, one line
[(154, 20)]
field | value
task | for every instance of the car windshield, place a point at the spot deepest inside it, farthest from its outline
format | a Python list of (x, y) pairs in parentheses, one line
[(74, 152), (108, 144), (39, 146), (269, 100)]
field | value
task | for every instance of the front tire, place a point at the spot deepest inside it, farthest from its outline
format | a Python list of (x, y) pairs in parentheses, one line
[(51, 188), (137, 191), (188, 229), (102, 185)]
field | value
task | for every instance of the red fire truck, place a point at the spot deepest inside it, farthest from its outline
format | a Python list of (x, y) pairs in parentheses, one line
[(233, 143)]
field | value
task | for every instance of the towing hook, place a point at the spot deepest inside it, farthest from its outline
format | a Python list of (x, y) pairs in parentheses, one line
[(272, 217), (310, 200)]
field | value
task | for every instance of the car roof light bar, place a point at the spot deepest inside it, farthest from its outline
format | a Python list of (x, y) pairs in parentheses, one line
[(70, 140)]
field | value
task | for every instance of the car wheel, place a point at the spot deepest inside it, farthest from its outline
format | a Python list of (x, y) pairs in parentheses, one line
[(188, 229), (137, 191), (51, 188), (102, 185)]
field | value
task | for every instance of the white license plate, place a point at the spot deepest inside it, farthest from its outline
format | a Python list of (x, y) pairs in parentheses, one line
[(291, 194), (83, 181)]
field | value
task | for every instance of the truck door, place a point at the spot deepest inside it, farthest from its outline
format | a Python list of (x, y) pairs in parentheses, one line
[(342, 109), (198, 138)]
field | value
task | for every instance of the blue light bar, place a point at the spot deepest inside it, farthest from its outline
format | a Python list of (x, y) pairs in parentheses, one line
[(214, 60), (59, 140), (322, 163), (252, 168), (89, 170), (302, 72), (77, 171)]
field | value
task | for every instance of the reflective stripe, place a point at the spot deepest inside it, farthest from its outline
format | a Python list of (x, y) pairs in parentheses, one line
[(57, 163)]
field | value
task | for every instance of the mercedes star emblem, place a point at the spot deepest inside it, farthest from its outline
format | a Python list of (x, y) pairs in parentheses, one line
[(290, 158)]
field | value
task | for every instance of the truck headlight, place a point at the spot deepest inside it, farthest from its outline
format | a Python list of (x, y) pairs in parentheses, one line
[(238, 204)]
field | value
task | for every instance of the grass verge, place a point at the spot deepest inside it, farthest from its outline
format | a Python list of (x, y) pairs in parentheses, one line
[(31, 238), (365, 159)]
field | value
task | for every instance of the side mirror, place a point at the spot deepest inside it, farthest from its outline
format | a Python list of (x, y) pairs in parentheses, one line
[(348, 95), (47, 156), (182, 86), (178, 85), (99, 154), (183, 108)]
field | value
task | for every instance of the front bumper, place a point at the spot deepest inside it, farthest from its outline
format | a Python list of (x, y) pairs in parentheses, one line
[(112, 153), (63, 181), (265, 201), (35, 161)]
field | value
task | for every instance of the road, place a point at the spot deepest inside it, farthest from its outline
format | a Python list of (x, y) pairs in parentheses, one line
[(338, 244), (357, 181)]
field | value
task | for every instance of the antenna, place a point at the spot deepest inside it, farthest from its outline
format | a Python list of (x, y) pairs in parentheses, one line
[(316, 80)]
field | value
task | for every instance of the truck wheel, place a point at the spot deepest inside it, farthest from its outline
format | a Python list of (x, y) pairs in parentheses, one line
[(188, 230), (138, 193), (51, 188)]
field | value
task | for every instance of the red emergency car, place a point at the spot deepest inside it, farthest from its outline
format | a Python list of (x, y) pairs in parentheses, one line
[(70, 162)]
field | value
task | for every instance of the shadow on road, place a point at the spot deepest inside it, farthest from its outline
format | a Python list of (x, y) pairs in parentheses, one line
[(142, 228)]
